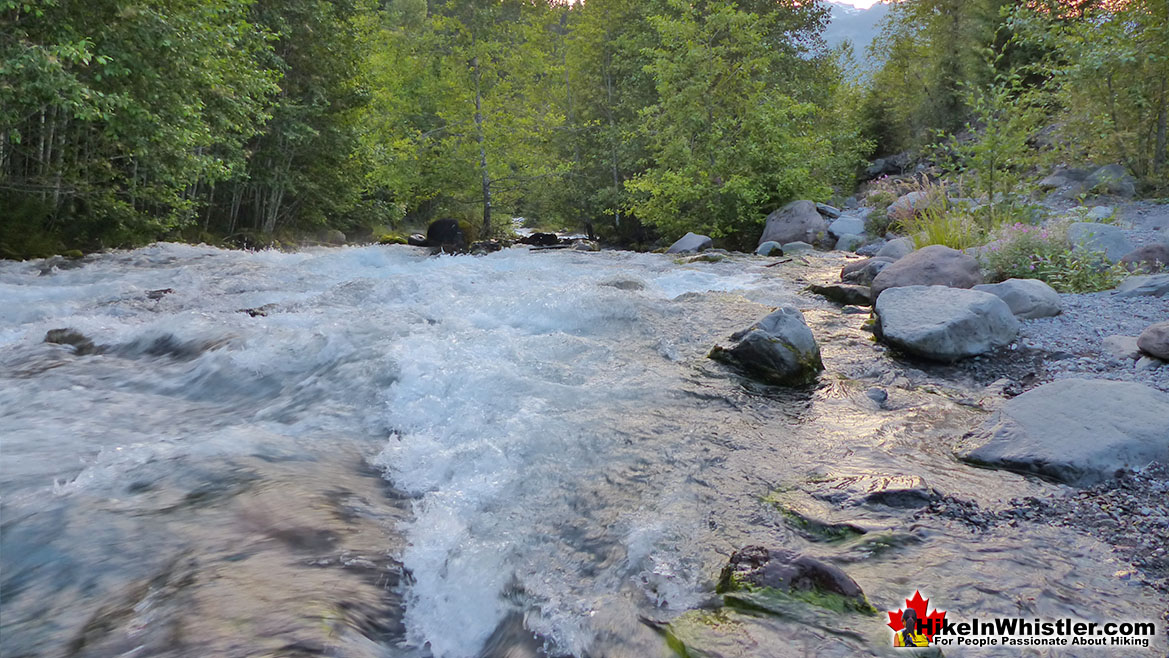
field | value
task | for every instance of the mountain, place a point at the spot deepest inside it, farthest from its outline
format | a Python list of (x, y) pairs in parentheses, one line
[(853, 24)]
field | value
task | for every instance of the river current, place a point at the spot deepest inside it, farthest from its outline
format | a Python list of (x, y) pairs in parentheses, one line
[(368, 451)]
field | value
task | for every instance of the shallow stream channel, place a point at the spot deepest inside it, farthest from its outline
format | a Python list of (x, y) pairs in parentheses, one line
[(371, 451)]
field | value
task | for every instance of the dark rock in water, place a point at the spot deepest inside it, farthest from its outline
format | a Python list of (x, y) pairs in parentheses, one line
[(902, 491), (757, 567), (259, 311), (445, 234), (1077, 431), (80, 343), (158, 294), (878, 395), (1150, 258), (843, 293), (862, 272), (484, 247), (779, 349), (539, 239), (416, 240)]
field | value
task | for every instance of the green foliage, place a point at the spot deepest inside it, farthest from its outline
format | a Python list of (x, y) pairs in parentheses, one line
[(1021, 251), (944, 225)]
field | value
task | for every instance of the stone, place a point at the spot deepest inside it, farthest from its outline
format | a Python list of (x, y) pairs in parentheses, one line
[(1063, 178), (854, 310), (862, 272), (793, 247), (915, 203), (828, 211), (1154, 341), (779, 349), (755, 567), (888, 166), (1099, 213), (1076, 431), (332, 236), (872, 248), (848, 224), (416, 240), (586, 245), (897, 249), (81, 344), (1027, 298), (843, 293), (798, 221), (1111, 179), (690, 243), (445, 234), (1121, 348), (878, 395), (1104, 238), (849, 242), (540, 239), (890, 490), (1149, 258), (769, 248), (1147, 363), (1145, 285), (942, 323), (935, 265)]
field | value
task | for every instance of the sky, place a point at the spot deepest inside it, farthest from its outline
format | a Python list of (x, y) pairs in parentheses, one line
[(863, 4)]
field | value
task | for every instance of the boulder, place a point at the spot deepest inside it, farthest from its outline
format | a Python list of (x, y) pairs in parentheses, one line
[(332, 236), (756, 567), (586, 245), (1112, 179), (1154, 341), (942, 323), (1099, 213), (1063, 178), (1149, 258), (794, 247), (862, 272), (1104, 238), (828, 211), (1027, 298), (80, 343), (1078, 431), (769, 248), (897, 249), (849, 242), (798, 221), (872, 248), (445, 234), (888, 166), (934, 265), (915, 203), (779, 349), (539, 239), (1145, 285), (416, 240), (843, 293), (690, 243), (1121, 348), (847, 225)]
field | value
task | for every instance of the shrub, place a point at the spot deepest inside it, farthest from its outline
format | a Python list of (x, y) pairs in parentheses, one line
[(944, 225), (1033, 252)]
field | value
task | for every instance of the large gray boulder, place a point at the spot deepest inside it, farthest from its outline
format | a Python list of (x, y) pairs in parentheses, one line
[(1147, 285), (769, 248), (1027, 298), (849, 242), (798, 221), (942, 323), (1078, 431), (779, 349), (934, 265), (1106, 238), (690, 243), (862, 272), (1149, 258), (1155, 341), (897, 249), (1111, 179), (847, 225), (1064, 178)]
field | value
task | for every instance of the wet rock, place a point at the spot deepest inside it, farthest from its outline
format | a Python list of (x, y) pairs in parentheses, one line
[(539, 239), (690, 243), (586, 245), (896, 249), (484, 247), (843, 293), (445, 234), (798, 221), (757, 567), (890, 490), (1104, 238), (862, 272), (1154, 341), (1077, 431), (849, 242), (416, 240), (259, 311), (944, 324), (159, 294), (1111, 179), (625, 284), (80, 343), (1149, 258), (1145, 285), (828, 211), (847, 225), (1027, 298), (796, 247), (878, 395), (769, 248), (934, 265), (779, 349), (1121, 348)]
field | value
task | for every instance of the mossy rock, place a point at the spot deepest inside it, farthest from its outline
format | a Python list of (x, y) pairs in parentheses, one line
[(814, 529), (391, 239), (772, 579), (73, 254)]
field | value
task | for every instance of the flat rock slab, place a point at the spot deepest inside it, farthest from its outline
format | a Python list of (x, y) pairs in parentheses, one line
[(1077, 431), (1148, 285), (942, 323), (843, 293), (1104, 238)]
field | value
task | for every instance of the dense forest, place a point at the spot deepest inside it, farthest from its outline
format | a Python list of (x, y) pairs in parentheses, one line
[(127, 121)]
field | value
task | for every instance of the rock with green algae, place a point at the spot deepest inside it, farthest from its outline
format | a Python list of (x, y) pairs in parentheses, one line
[(769, 579), (779, 349)]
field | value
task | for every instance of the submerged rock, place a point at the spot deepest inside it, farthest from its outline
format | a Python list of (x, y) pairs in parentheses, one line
[(80, 343), (944, 324), (755, 568), (798, 221), (690, 243), (1077, 431), (934, 265), (779, 349), (1027, 298)]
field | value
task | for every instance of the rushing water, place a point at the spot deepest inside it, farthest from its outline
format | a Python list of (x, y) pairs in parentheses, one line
[(511, 455)]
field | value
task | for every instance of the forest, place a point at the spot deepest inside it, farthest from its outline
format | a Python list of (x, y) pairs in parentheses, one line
[(239, 121)]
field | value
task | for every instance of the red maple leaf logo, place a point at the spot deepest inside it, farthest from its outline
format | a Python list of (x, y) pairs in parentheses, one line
[(931, 623)]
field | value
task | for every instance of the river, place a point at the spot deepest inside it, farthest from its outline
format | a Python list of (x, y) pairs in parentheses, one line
[(519, 454)]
